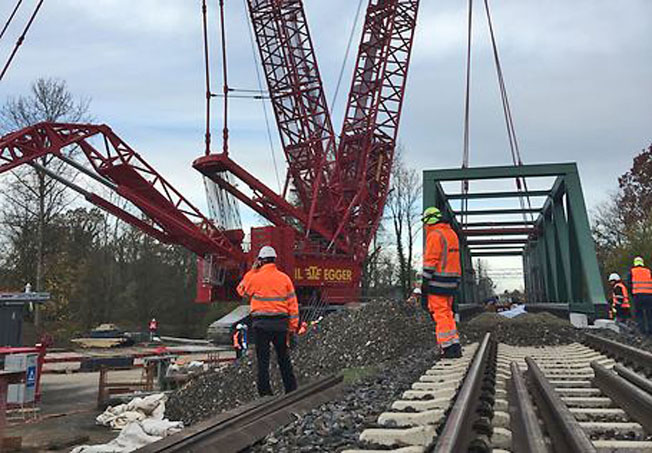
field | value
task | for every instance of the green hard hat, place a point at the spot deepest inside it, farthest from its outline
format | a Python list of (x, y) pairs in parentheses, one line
[(638, 261), (431, 215)]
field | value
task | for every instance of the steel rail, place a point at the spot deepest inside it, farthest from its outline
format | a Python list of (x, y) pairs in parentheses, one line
[(565, 431), (456, 434), (634, 378), (631, 398), (242, 427), (638, 358), (527, 436)]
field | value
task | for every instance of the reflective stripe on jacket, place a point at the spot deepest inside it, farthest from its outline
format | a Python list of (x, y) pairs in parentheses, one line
[(620, 295), (441, 259), (641, 280), (272, 295)]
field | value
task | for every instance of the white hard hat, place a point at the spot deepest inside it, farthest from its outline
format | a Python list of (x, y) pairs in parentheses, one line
[(417, 290), (267, 252), (614, 277), (239, 326)]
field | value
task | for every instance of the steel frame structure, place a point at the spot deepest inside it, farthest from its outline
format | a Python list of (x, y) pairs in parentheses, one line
[(167, 215), (559, 258), (341, 189)]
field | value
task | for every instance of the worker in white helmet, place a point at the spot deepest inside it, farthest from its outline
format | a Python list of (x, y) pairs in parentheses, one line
[(240, 340), (275, 317), (619, 304)]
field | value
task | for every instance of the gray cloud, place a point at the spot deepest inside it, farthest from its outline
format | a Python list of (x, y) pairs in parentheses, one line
[(579, 74)]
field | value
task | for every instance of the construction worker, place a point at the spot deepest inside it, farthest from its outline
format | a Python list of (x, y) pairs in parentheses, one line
[(619, 299), (640, 283), (153, 329), (240, 340), (275, 316), (240, 289), (441, 278)]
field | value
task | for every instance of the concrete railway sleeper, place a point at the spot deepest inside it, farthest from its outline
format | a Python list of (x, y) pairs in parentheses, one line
[(584, 405), (449, 407)]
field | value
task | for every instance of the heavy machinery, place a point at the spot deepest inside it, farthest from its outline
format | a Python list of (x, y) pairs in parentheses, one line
[(336, 187)]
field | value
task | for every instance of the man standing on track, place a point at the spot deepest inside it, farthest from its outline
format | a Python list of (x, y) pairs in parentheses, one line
[(640, 284), (275, 315), (441, 278)]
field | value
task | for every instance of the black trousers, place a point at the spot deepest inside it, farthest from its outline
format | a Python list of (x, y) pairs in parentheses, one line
[(279, 339), (643, 312)]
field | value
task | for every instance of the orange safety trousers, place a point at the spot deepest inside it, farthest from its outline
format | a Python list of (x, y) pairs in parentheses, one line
[(441, 308)]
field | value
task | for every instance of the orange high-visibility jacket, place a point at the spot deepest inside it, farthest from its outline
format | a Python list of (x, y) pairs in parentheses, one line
[(641, 280), (441, 259), (241, 288), (620, 295), (272, 294)]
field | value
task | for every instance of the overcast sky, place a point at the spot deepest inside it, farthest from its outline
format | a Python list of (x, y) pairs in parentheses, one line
[(579, 75)]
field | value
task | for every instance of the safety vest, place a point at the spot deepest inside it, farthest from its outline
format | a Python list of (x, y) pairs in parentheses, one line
[(153, 325), (441, 259), (622, 300), (236, 340), (641, 280), (272, 294)]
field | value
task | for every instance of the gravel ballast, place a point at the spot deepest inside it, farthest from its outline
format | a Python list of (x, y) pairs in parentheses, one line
[(539, 329), (362, 337)]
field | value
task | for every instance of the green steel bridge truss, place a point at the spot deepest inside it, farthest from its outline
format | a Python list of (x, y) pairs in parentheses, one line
[(554, 238)]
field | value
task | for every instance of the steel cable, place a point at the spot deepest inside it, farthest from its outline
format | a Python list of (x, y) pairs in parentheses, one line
[(260, 88), (11, 18), (21, 39), (521, 183), (467, 114), (346, 55)]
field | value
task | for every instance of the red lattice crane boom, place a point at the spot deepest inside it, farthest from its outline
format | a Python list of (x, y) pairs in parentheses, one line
[(340, 188)]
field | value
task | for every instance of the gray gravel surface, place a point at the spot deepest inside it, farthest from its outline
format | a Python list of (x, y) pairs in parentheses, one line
[(540, 329), (336, 425), (630, 335), (368, 335)]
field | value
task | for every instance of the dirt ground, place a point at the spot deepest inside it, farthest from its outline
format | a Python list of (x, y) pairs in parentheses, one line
[(67, 413), (68, 410)]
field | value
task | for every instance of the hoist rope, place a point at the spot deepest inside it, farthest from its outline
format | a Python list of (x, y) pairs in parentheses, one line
[(11, 18), (521, 183), (467, 114), (346, 55), (225, 80), (21, 39), (264, 105), (208, 80)]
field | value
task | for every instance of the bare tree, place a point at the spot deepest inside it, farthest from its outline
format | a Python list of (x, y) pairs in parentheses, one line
[(32, 199), (403, 206)]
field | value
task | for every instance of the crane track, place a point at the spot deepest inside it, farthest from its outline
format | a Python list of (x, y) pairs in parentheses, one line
[(576, 397)]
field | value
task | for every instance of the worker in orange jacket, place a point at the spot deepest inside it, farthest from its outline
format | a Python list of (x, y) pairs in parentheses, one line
[(441, 278), (640, 284), (275, 316), (619, 299)]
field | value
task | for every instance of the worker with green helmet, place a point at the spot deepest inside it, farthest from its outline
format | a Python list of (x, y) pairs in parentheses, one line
[(640, 285), (441, 276)]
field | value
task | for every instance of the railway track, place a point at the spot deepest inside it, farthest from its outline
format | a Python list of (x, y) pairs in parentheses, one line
[(588, 397), (592, 397)]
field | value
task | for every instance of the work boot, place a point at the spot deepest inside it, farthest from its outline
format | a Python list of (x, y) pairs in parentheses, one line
[(453, 351)]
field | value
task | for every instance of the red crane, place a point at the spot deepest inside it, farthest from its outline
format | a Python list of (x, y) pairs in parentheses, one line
[(340, 187)]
